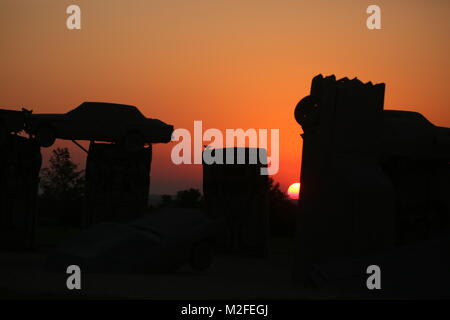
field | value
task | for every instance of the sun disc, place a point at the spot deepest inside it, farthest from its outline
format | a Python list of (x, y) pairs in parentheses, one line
[(293, 190)]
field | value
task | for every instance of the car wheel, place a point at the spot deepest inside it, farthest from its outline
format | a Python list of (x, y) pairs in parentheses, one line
[(45, 136), (201, 256), (307, 112), (133, 142)]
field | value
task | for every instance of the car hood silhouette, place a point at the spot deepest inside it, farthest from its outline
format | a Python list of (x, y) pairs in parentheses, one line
[(99, 121)]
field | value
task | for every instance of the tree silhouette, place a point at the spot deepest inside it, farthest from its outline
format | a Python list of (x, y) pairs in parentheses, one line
[(62, 188), (190, 198), (282, 211), (166, 200), (62, 179), (275, 193)]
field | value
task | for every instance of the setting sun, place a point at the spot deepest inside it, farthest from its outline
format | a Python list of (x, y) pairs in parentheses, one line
[(293, 190)]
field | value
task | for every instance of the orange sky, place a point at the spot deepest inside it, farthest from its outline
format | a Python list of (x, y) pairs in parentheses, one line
[(231, 64)]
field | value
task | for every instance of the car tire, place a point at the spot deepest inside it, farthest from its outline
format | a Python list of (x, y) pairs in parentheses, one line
[(133, 142), (201, 256), (306, 112), (45, 136)]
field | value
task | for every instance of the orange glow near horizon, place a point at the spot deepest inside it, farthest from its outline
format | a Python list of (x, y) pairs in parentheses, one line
[(231, 64)]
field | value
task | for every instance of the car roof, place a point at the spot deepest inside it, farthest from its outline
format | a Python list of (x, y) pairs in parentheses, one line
[(105, 104)]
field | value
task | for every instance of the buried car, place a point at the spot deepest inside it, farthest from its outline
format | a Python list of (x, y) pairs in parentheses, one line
[(158, 242), (99, 121)]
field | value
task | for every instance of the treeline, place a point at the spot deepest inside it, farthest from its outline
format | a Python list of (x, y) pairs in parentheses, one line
[(61, 197)]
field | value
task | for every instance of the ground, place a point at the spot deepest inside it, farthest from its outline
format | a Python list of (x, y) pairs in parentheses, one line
[(22, 276)]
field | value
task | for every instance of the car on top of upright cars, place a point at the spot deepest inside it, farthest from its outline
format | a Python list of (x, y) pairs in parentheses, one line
[(99, 121)]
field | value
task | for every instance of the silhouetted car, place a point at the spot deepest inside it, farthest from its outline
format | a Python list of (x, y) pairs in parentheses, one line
[(11, 121), (159, 242), (99, 121)]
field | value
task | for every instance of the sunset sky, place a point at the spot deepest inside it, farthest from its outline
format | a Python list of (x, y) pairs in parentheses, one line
[(231, 64)]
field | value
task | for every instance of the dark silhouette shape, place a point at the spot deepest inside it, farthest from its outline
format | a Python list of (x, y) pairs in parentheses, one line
[(237, 193), (346, 203), (371, 180), (99, 121), (416, 157), (62, 186), (11, 121), (166, 201), (413, 271), (409, 134), (20, 162), (190, 198), (117, 175), (117, 183), (282, 211), (159, 242)]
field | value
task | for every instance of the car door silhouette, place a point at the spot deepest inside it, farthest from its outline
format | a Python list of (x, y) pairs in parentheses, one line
[(87, 122)]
